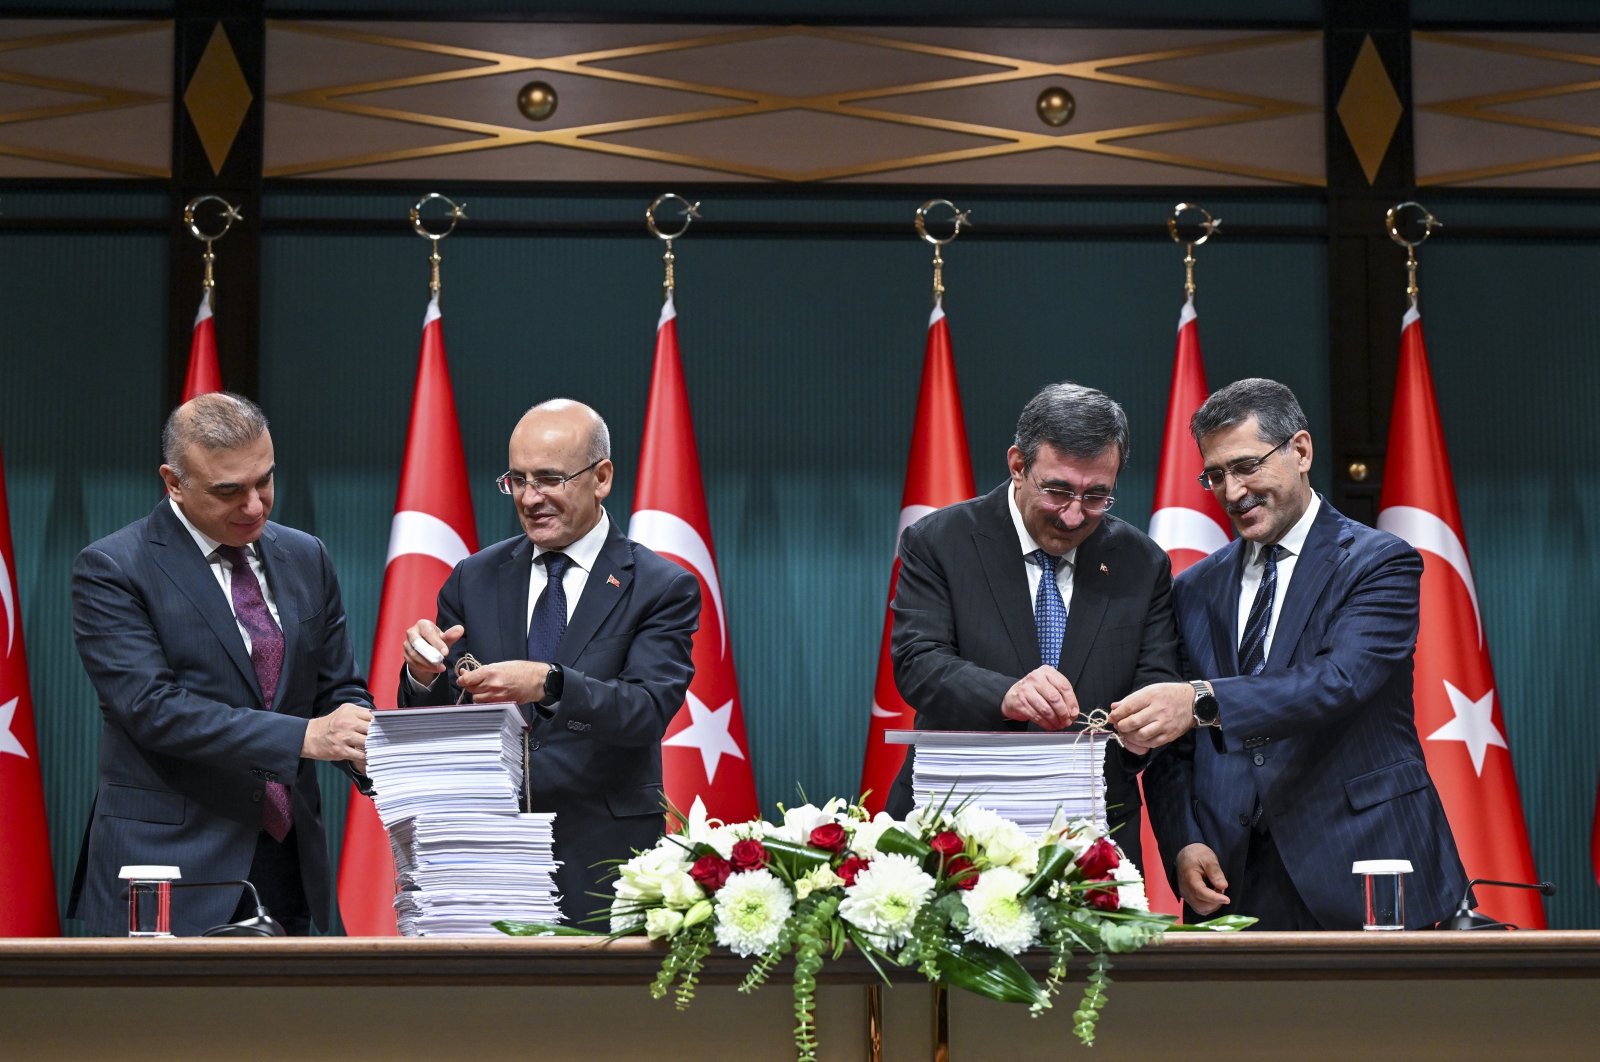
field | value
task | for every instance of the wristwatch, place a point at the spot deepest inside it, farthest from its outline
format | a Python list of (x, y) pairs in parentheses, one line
[(1205, 705), (553, 682)]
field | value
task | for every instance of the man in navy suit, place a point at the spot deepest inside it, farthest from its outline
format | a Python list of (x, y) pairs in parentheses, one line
[(216, 642), (979, 579), (590, 632), (1294, 750)]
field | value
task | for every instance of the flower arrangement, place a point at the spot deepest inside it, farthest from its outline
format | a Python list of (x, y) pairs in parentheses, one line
[(954, 892)]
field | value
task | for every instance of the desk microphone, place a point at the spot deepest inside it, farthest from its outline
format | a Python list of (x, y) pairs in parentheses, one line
[(261, 924), (1466, 918)]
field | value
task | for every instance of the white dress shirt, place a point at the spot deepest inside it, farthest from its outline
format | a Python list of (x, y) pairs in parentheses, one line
[(223, 571), (1293, 544)]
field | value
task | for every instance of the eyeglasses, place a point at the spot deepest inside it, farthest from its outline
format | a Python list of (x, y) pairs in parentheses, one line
[(514, 483), (1242, 469), (1093, 503)]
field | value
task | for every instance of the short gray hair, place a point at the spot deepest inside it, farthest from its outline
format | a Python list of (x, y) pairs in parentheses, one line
[(599, 434), (220, 420), (1075, 420), (1277, 411)]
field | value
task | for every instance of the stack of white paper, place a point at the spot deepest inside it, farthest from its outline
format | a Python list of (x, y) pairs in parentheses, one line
[(1024, 776), (447, 781)]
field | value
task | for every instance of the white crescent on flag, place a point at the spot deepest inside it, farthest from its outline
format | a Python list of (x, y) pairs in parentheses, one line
[(424, 533), (669, 533), (1178, 528), (10, 605), (1425, 531), (908, 516)]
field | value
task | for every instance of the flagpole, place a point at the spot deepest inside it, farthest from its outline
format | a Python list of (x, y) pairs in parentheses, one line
[(691, 211), (1208, 226), (191, 218), (960, 218), (457, 212), (1392, 220)]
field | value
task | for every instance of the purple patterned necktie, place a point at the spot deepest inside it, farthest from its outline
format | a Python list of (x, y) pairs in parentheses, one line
[(266, 654)]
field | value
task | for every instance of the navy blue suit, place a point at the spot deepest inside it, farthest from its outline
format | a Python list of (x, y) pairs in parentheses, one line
[(1324, 738), (185, 750), (596, 761), (964, 631)]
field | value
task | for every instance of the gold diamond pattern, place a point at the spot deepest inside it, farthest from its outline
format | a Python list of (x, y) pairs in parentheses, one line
[(217, 99), (1369, 109)]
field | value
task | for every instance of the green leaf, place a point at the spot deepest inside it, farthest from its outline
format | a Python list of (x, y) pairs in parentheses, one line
[(988, 972), (547, 929), (1051, 860), (895, 841), (796, 858)]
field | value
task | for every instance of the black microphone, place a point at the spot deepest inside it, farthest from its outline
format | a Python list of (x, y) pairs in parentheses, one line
[(261, 924), (1466, 918)]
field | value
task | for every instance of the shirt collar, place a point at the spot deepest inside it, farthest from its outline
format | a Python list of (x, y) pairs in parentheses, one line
[(586, 550), (1024, 540), (1294, 540)]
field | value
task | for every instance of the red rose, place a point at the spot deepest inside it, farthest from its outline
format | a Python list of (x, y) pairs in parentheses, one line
[(1098, 862), (830, 837), (958, 866), (749, 855), (711, 871), (851, 867), (1104, 899), (948, 843)]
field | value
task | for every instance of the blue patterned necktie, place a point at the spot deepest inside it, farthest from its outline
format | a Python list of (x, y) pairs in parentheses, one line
[(549, 621), (266, 656), (1253, 647), (1049, 611)]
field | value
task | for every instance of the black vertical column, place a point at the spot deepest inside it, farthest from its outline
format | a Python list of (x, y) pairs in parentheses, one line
[(1366, 274), (230, 169)]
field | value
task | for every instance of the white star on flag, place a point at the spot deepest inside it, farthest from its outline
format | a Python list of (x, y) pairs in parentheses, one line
[(1473, 725), (708, 732), (8, 741)]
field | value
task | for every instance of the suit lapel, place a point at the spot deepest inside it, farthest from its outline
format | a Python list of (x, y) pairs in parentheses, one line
[(511, 604), (1312, 570), (995, 541), (1221, 590), (190, 572), (1090, 592), (290, 607), (607, 584)]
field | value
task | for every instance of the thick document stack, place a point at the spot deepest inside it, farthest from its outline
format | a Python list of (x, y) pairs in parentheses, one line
[(447, 781), (1024, 776)]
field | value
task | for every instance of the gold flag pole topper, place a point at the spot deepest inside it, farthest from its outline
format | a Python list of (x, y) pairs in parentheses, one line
[(1208, 227), (1393, 221), (457, 212), (691, 211), (191, 217), (961, 217)]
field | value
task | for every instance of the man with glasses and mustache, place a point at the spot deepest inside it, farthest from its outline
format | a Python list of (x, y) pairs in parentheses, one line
[(589, 631), (1294, 750), (1030, 606)]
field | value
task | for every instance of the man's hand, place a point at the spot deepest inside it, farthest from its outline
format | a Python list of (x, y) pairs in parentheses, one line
[(1158, 714), (422, 665), (1200, 880), (1042, 696), (509, 680), (339, 735)]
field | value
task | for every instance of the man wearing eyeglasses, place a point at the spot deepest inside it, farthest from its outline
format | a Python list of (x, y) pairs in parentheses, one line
[(1294, 750), (589, 631), (1029, 606)]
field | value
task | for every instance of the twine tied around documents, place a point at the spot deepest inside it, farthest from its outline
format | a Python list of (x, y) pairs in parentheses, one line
[(1097, 722)]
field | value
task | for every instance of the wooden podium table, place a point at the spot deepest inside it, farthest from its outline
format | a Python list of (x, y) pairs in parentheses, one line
[(1491, 995)]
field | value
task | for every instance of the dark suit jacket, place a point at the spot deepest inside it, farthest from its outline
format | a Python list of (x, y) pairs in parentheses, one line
[(964, 631), (1324, 738), (184, 749), (596, 761)]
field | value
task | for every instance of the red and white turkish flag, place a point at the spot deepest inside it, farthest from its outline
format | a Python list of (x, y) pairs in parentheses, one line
[(1458, 711), (938, 473), (704, 752), (204, 374), (28, 907), (433, 530), (1185, 521)]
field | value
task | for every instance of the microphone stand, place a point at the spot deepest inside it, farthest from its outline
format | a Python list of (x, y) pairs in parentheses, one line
[(261, 924), (1466, 918)]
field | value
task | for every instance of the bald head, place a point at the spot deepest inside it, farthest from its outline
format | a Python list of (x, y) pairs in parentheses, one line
[(569, 416), (566, 439)]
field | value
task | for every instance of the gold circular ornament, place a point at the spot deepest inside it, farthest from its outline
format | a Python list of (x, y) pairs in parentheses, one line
[(1359, 471), (537, 101), (1056, 106)]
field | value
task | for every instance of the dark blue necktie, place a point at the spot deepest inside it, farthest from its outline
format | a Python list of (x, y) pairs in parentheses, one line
[(549, 621), (1253, 647), (1049, 611)]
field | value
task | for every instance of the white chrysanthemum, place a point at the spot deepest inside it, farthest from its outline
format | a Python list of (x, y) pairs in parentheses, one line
[(751, 910), (864, 840), (996, 915), (817, 879), (886, 898), (660, 923), (1130, 895)]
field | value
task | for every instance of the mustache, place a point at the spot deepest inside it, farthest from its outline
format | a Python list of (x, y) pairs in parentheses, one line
[(1245, 504)]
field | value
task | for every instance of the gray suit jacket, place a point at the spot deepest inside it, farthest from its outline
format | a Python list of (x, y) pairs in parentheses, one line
[(964, 632), (596, 761), (185, 749)]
